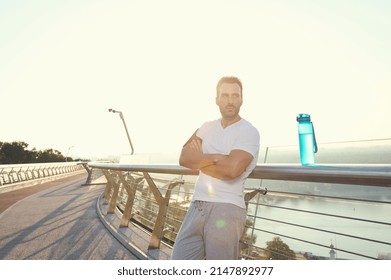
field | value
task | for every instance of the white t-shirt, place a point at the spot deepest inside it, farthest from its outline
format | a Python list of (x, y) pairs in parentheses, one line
[(218, 140)]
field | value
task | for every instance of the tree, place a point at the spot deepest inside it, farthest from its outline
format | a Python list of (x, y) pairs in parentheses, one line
[(50, 155), (14, 152), (17, 153), (278, 250)]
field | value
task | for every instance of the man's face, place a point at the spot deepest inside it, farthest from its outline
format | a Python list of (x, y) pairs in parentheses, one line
[(229, 100)]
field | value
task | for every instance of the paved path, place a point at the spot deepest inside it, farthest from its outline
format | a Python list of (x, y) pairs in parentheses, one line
[(58, 222)]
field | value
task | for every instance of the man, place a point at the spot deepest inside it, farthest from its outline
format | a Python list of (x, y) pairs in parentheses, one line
[(225, 151)]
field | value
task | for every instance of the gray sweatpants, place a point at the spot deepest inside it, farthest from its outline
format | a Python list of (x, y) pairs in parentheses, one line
[(210, 231)]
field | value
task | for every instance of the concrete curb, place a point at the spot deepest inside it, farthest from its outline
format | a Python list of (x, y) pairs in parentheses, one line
[(111, 222)]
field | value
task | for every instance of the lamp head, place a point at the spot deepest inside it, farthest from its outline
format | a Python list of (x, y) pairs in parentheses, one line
[(114, 111)]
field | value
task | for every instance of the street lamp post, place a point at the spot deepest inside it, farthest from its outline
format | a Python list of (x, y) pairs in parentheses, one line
[(126, 129), (66, 158)]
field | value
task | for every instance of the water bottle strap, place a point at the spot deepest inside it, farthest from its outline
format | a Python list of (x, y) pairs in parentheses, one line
[(315, 144)]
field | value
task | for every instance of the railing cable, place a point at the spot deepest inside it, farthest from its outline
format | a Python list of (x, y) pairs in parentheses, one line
[(317, 244)]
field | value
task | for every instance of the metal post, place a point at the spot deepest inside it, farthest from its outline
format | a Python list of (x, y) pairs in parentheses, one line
[(126, 129), (66, 157)]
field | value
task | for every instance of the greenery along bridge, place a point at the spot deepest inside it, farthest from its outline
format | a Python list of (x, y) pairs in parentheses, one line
[(17, 152)]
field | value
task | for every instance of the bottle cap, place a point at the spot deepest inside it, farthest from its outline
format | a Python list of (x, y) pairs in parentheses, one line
[(303, 118)]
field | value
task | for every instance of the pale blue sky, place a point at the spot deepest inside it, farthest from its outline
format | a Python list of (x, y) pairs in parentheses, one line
[(64, 63)]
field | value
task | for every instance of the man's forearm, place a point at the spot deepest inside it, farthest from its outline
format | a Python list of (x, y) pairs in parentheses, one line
[(224, 167), (221, 169), (229, 167), (198, 161)]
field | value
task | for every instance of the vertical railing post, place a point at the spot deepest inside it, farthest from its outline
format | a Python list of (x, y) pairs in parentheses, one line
[(12, 172), (163, 203), (114, 186), (19, 175), (248, 195), (89, 173), (2, 176), (109, 186), (131, 191)]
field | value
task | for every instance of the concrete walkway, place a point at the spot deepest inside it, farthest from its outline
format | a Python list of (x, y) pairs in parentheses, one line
[(58, 223)]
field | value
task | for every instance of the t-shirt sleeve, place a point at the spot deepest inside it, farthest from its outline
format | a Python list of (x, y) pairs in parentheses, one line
[(249, 141), (203, 130)]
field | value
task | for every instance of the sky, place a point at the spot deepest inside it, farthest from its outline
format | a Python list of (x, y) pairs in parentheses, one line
[(63, 64)]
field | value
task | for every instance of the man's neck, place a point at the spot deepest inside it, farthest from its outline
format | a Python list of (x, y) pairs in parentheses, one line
[(225, 122)]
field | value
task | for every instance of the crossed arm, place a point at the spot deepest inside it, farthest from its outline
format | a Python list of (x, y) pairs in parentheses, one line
[(224, 167)]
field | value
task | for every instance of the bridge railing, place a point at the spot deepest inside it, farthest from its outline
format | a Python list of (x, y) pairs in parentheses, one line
[(16, 173), (310, 216)]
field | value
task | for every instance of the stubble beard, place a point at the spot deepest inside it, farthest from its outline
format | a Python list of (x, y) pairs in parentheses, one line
[(229, 112)]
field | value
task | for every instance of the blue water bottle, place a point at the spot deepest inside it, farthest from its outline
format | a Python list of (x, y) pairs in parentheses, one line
[(307, 140)]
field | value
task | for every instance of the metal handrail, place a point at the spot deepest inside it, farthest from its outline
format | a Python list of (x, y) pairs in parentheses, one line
[(351, 174), (354, 174), (17, 173)]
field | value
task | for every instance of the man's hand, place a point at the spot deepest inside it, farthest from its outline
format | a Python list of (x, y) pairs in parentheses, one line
[(191, 155)]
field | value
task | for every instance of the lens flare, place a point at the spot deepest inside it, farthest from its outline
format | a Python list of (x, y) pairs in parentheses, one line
[(220, 223), (211, 190)]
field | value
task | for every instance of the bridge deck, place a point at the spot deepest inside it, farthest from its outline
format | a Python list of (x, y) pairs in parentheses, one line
[(58, 222)]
